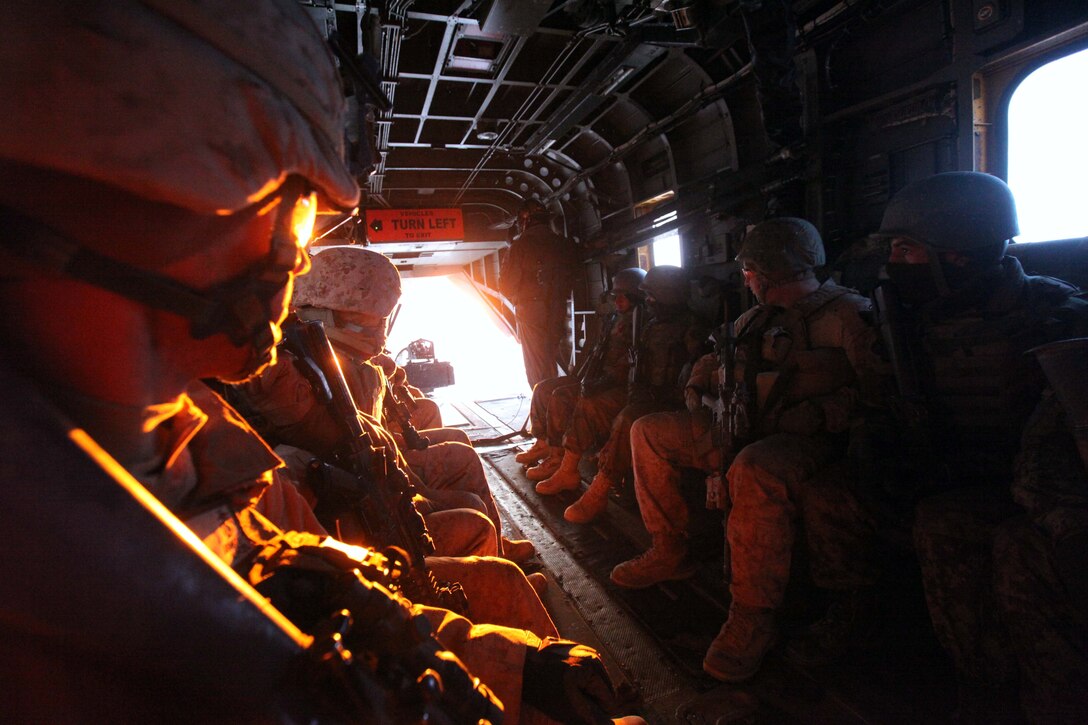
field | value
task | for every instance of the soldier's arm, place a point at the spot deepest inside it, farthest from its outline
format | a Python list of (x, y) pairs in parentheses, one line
[(856, 337), (1050, 482), (704, 374)]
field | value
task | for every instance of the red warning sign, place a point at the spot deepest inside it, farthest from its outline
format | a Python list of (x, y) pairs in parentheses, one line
[(414, 225)]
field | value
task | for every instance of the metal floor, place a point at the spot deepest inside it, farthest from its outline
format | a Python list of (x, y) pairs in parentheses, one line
[(653, 640)]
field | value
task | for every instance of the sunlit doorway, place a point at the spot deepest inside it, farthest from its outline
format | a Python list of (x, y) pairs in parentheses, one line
[(486, 357)]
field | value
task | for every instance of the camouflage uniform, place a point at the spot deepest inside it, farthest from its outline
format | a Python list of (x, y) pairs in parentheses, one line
[(540, 408), (287, 412), (774, 479), (580, 420), (980, 334), (560, 408), (536, 277), (234, 528), (661, 355), (1047, 625), (450, 463)]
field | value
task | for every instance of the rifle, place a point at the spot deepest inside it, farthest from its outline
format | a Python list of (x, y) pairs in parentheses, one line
[(890, 321), (591, 371), (721, 407), (398, 410), (366, 637), (379, 497), (633, 373)]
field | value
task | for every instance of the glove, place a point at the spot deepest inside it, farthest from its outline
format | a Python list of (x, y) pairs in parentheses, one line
[(567, 682), (400, 672), (693, 399)]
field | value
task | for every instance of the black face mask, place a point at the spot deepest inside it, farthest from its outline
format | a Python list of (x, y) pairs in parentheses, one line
[(959, 277), (914, 282)]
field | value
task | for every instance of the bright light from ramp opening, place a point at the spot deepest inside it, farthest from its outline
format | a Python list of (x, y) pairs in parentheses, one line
[(486, 358)]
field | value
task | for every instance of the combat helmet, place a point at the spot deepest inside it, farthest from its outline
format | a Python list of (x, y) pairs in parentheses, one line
[(667, 284), (229, 101), (628, 282), (350, 279), (962, 211), (783, 248), (187, 115)]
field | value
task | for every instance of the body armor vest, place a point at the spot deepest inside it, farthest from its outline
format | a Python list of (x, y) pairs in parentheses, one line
[(776, 362), (980, 386), (661, 355)]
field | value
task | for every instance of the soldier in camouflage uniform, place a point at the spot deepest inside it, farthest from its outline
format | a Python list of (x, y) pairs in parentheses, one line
[(579, 417), (353, 291), (968, 313), (541, 416), (803, 352), (1039, 559), (653, 382), (554, 400), (281, 404), (155, 198), (536, 276)]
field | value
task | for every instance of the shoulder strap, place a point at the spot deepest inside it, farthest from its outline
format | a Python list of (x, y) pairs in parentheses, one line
[(821, 297)]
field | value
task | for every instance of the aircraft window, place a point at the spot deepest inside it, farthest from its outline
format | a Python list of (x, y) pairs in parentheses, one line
[(666, 247), (1048, 150)]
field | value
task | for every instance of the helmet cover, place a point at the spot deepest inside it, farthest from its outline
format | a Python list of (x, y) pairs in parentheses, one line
[(667, 284), (206, 106), (350, 279), (782, 247), (956, 211), (628, 281)]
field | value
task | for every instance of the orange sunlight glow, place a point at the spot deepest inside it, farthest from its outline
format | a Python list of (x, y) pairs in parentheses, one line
[(146, 499), (486, 358)]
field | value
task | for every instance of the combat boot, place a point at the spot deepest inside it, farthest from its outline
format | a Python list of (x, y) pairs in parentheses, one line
[(744, 640), (517, 550), (547, 467), (592, 503), (539, 583), (565, 478), (535, 452), (665, 560)]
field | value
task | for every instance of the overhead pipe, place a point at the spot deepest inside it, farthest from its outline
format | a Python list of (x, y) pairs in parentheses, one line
[(660, 126)]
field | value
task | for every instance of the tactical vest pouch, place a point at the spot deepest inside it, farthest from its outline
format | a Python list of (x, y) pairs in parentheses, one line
[(818, 372), (765, 383)]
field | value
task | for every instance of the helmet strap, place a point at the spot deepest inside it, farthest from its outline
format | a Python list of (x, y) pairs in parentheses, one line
[(240, 308)]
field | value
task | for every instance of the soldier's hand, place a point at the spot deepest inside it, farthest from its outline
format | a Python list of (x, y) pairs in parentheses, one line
[(567, 682), (693, 399)]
